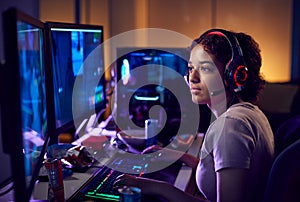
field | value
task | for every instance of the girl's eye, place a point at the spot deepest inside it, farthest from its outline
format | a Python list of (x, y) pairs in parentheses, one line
[(200, 69), (205, 69), (190, 69)]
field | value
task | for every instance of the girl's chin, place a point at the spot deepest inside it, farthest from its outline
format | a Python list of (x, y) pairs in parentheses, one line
[(198, 100)]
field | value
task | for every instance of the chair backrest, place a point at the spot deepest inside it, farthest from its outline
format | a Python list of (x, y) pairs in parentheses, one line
[(287, 133), (284, 179)]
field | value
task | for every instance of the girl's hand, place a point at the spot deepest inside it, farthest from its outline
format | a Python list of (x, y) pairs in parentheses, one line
[(147, 185), (125, 179)]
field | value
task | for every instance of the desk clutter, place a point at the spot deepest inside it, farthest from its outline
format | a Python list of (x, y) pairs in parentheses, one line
[(73, 157), (104, 158)]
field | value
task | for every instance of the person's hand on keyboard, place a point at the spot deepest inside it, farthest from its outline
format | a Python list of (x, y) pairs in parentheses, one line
[(147, 185), (125, 180)]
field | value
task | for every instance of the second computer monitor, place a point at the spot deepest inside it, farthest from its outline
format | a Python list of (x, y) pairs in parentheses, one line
[(78, 72)]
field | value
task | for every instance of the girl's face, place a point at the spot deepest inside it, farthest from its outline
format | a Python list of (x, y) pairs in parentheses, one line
[(205, 76)]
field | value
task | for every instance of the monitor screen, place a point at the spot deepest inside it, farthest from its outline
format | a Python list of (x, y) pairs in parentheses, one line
[(146, 81), (26, 112), (77, 60)]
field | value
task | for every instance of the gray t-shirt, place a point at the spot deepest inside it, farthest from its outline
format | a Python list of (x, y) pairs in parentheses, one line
[(240, 138)]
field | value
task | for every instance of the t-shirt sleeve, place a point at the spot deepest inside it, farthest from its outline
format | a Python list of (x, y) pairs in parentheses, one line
[(233, 146)]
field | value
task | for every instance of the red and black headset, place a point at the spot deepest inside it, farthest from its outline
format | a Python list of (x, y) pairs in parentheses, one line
[(236, 71)]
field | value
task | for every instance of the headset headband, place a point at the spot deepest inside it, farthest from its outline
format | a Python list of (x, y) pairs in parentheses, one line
[(236, 71)]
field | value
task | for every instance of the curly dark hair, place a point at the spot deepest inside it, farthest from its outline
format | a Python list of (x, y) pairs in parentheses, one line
[(219, 46)]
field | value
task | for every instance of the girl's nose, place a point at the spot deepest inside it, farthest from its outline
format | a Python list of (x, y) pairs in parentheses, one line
[(194, 76)]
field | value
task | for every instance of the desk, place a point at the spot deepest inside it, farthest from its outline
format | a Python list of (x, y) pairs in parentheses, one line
[(74, 182), (185, 173)]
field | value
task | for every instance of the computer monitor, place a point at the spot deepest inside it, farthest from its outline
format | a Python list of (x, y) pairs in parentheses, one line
[(25, 99), (149, 77), (77, 61)]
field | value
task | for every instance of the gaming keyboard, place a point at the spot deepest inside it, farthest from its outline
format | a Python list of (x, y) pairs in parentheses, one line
[(101, 187)]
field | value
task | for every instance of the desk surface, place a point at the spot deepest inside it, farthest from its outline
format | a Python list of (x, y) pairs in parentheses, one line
[(76, 180)]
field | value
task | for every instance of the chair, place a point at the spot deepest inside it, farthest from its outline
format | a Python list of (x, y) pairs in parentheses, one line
[(284, 179), (287, 133)]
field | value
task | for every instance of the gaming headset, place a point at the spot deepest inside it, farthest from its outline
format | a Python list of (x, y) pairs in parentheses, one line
[(236, 71)]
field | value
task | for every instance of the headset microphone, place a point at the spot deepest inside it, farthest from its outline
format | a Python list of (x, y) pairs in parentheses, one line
[(216, 92), (186, 78)]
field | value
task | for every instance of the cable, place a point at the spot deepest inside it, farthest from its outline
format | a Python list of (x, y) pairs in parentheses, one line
[(99, 115)]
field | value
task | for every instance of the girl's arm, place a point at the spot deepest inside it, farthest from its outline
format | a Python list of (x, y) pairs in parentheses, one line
[(172, 155), (155, 187)]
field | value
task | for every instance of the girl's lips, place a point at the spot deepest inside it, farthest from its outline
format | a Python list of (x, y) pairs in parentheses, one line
[(195, 90)]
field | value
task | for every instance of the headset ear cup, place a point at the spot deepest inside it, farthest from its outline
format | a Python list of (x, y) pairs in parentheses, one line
[(240, 75)]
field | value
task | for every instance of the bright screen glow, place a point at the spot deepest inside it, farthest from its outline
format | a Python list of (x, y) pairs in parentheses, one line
[(70, 48), (33, 95)]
